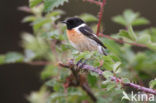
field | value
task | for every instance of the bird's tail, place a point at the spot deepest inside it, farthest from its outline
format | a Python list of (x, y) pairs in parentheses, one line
[(103, 51)]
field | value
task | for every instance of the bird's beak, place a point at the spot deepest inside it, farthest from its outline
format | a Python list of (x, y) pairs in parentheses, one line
[(64, 22)]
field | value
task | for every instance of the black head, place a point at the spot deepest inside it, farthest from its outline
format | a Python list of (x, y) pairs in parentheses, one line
[(73, 22)]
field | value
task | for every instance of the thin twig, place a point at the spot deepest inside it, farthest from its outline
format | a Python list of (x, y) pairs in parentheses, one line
[(95, 2), (121, 41), (100, 16), (100, 72)]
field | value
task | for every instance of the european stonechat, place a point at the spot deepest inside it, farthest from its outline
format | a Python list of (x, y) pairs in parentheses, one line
[(81, 36)]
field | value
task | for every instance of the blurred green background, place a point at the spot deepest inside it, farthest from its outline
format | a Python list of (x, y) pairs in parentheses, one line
[(18, 80)]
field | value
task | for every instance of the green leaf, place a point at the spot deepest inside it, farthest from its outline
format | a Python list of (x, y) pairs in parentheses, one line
[(83, 55), (144, 39), (152, 32), (152, 46), (51, 4), (116, 66), (130, 16), (92, 80), (57, 86), (49, 71), (33, 3), (29, 19), (112, 46), (2, 59), (55, 13), (110, 86), (125, 80), (132, 33), (119, 19), (39, 23), (108, 62), (140, 21), (29, 55), (107, 74), (153, 84), (88, 18), (13, 57), (124, 33)]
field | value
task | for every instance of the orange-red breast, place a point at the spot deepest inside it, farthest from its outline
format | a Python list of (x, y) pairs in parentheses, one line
[(82, 37)]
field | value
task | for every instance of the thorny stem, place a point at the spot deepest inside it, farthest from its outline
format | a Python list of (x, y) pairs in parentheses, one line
[(100, 16), (100, 72), (121, 41)]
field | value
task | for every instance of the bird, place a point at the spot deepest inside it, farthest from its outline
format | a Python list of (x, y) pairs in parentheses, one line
[(81, 36)]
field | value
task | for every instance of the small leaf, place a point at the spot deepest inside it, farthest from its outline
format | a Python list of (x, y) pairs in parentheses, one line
[(124, 33), (110, 86), (88, 18), (132, 33), (49, 71), (13, 57), (153, 84), (107, 74), (55, 13), (2, 59), (92, 80), (152, 46), (116, 66), (119, 19), (112, 46), (33, 3), (29, 55), (130, 16), (144, 39), (51, 4), (29, 19), (39, 23), (140, 21), (108, 62), (125, 80), (152, 32)]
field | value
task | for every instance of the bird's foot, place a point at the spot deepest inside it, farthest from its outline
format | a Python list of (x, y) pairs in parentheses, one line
[(81, 63)]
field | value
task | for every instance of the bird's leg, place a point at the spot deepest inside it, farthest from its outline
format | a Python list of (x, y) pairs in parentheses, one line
[(80, 64), (83, 63), (80, 61)]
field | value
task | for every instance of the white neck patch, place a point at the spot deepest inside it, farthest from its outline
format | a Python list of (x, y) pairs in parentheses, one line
[(77, 28)]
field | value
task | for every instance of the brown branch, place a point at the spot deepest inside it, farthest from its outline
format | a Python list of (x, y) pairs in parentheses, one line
[(75, 73), (89, 92), (121, 41), (100, 72), (100, 16), (95, 2)]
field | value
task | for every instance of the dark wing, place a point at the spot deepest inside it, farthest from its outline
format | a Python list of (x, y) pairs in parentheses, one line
[(89, 33)]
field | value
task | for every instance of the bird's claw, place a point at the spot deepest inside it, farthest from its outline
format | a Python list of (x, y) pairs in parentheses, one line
[(81, 63)]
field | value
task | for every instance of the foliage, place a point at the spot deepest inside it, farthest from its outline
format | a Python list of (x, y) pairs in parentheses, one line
[(49, 43)]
